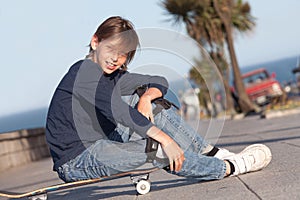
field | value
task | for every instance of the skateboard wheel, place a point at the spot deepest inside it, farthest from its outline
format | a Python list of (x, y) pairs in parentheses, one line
[(143, 187), (38, 197)]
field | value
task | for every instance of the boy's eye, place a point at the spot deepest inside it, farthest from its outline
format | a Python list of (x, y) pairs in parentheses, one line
[(109, 49), (122, 54), (112, 50)]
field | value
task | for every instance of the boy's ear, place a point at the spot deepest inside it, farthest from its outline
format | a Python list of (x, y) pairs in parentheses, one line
[(94, 42)]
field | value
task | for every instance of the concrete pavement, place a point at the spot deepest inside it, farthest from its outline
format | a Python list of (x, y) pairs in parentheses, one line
[(280, 180)]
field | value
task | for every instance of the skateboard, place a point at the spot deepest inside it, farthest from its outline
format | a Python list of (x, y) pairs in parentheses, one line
[(139, 178)]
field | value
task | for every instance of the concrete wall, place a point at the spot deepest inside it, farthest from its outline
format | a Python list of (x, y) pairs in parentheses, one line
[(20, 147)]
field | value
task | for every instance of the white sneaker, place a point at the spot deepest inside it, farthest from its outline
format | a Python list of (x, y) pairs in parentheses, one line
[(223, 153), (253, 158)]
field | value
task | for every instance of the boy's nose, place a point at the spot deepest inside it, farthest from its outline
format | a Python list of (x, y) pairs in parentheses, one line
[(114, 57)]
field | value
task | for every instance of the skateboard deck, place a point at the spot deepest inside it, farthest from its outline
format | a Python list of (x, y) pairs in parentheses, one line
[(140, 179)]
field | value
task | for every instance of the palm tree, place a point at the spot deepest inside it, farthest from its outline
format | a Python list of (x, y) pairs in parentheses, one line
[(242, 21), (204, 24), (225, 10), (185, 11)]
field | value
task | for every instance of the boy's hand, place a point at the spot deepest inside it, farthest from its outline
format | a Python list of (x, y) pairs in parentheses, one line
[(175, 155), (145, 107)]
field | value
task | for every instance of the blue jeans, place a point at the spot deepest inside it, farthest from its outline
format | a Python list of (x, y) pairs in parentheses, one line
[(121, 153)]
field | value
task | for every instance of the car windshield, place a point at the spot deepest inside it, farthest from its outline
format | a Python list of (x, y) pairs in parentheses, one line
[(255, 78)]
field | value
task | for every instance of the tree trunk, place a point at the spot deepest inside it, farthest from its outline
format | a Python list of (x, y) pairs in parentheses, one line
[(244, 100)]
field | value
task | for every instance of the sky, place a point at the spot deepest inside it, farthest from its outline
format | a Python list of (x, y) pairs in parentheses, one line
[(40, 40)]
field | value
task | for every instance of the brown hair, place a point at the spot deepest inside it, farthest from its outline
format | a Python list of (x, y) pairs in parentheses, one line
[(123, 29)]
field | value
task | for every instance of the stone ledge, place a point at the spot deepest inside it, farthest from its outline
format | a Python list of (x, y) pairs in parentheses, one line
[(20, 147)]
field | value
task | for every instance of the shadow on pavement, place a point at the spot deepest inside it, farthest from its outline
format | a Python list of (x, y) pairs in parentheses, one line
[(107, 192), (257, 141)]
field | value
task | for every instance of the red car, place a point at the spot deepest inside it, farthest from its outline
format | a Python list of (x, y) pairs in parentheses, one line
[(262, 87)]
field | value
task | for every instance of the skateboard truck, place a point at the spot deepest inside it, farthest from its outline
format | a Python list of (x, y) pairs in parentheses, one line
[(141, 183), (38, 197)]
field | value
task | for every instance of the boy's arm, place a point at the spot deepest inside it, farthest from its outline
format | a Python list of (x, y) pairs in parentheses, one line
[(170, 147), (144, 105)]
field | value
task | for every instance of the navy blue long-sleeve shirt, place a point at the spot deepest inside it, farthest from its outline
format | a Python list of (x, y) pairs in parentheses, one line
[(87, 106)]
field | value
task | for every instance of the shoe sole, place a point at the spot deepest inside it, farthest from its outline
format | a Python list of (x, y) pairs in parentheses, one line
[(261, 147)]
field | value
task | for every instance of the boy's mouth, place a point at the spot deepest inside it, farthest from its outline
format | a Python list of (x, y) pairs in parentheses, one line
[(110, 65)]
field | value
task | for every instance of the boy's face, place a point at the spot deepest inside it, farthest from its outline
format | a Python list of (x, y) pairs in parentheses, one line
[(109, 55)]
